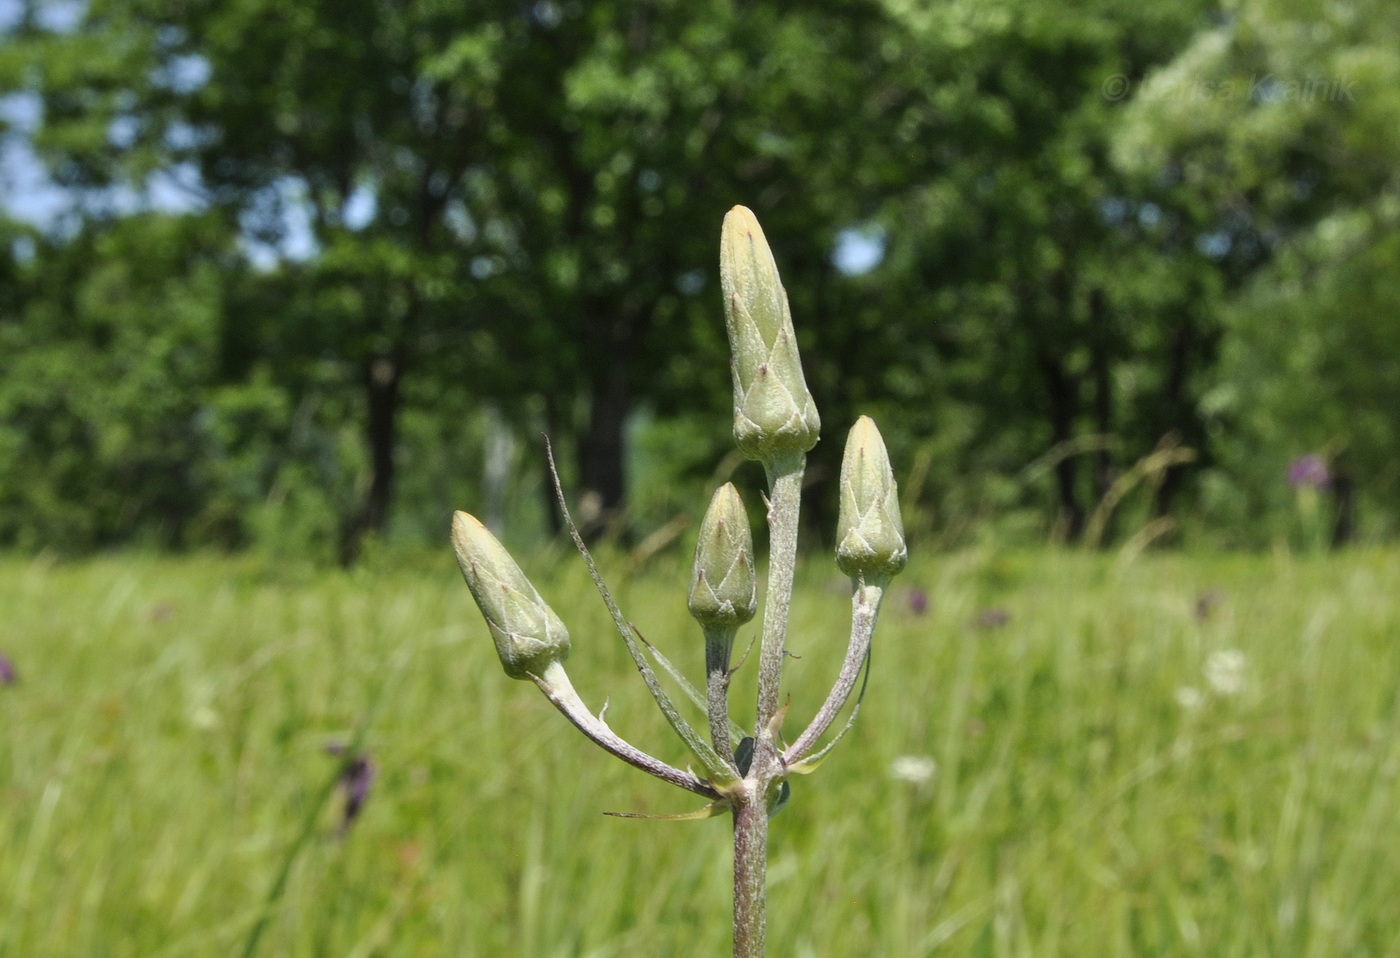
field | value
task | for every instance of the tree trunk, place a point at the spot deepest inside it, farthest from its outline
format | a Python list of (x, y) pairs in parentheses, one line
[(382, 378), (1344, 500), (553, 428), (1174, 404), (1062, 395), (602, 447), (1100, 362)]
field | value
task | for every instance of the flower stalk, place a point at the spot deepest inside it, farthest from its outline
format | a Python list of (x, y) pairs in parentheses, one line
[(775, 423), (723, 596)]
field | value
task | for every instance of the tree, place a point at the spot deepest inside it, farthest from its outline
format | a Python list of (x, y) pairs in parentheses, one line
[(1070, 298), (624, 133), (321, 110), (539, 186), (108, 355), (1283, 119)]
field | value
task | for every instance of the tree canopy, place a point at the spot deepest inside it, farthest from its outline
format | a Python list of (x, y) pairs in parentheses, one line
[(1115, 256)]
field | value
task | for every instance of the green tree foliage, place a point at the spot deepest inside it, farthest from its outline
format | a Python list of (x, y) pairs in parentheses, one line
[(107, 343), (621, 134), (532, 192), (1285, 121), (1102, 232), (314, 108), (1063, 305)]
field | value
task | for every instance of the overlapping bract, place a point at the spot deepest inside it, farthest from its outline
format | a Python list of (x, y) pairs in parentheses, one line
[(723, 586), (773, 410), (869, 529), (527, 632)]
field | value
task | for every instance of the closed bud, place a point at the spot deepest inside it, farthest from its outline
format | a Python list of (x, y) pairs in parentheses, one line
[(869, 530), (722, 585), (773, 410), (528, 634)]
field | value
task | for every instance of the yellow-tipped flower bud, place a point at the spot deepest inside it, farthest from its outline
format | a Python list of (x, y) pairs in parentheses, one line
[(723, 585), (527, 633), (869, 531), (773, 411)]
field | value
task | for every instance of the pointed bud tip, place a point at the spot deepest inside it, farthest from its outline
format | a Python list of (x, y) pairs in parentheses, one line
[(464, 523), (741, 234), (741, 219), (870, 530), (774, 415), (723, 589), (527, 632)]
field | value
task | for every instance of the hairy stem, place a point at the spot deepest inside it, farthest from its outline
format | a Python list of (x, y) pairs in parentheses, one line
[(750, 873), (785, 485), (555, 684), (720, 771), (718, 643), (751, 808), (865, 607)]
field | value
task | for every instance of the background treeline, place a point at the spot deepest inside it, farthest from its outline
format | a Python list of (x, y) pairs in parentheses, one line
[(327, 269)]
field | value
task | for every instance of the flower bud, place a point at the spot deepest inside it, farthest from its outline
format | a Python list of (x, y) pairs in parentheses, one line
[(722, 586), (869, 531), (527, 633), (773, 411)]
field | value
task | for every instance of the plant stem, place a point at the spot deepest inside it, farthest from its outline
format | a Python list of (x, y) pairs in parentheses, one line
[(865, 607), (555, 684), (720, 771), (751, 806), (750, 873), (718, 643), (785, 485)]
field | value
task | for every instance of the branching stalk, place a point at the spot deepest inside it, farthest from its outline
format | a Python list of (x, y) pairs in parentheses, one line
[(784, 504), (555, 684), (719, 770), (751, 809), (865, 608), (718, 643)]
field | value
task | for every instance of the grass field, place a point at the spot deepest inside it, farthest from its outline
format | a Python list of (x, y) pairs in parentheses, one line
[(1177, 756)]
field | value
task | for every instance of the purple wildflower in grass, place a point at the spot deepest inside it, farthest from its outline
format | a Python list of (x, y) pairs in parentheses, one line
[(992, 618), (356, 777), (355, 783), (1309, 472), (8, 675), (1206, 603), (918, 601)]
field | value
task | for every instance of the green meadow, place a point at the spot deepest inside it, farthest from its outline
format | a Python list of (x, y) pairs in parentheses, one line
[(1058, 754)]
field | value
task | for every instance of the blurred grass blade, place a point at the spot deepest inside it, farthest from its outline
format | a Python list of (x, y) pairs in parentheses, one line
[(314, 809)]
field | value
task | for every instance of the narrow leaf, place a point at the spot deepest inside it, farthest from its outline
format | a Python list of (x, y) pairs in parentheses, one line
[(719, 771), (709, 811), (691, 692)]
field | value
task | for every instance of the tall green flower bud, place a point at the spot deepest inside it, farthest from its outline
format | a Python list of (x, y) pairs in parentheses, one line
[(527, 633), (723, 585), (773, 411), (869, 530)]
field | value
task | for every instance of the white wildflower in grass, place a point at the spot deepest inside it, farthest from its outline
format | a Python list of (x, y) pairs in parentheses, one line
[(1190, 698), (204, 718), (1224, 672), (914, 769)]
